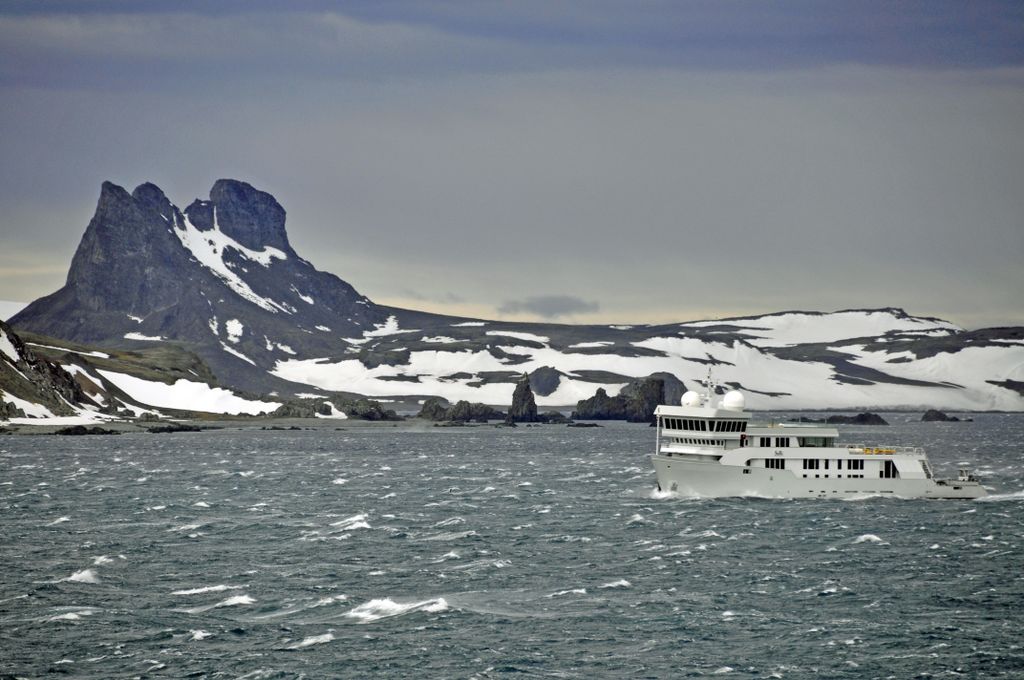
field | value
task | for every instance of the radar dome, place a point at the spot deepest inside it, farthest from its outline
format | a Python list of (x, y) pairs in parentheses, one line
[(691, 398), (733, 400)]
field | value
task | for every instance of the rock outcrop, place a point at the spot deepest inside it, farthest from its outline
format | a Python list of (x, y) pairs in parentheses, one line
[(524, 406), (436, 409), (28, 377), (859, 419), (934, 416), (600, 407), (635, 402)]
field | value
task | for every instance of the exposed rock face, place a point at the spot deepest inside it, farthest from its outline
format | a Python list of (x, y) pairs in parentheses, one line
[(545, 380), (524, 407), (27, 376), (642, 397), (859, 419)]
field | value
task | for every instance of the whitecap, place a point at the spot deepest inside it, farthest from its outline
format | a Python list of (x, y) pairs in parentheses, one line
[(324, 601), (235, 601), (201, 504), (206, 589), (351, 523), (59, 520), (383, 608), (200, 634), (339, 481), (102, 559), (84, 576), (868, 538), (451, 536), (723, 670), (71, 616), (573, 591), (621, 583), (313, 640), (229, 602)]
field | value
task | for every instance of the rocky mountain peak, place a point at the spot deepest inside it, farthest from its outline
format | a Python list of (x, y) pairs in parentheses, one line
[(151, 196), (251, 217)]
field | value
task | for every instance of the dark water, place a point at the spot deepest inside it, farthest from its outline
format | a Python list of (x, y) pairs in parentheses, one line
[(475, 553)]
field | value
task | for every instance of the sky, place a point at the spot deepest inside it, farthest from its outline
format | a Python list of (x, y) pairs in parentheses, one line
[(579, 162)]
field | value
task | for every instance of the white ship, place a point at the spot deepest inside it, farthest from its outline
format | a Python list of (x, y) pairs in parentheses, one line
[(715, 450)]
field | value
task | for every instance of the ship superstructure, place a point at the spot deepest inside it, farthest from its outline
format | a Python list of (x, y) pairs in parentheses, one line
[(708, 449)]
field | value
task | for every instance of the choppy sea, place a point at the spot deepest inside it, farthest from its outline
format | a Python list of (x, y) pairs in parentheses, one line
[(483, 552)]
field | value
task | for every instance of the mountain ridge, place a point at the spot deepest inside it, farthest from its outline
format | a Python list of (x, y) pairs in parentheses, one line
[(221, 279)]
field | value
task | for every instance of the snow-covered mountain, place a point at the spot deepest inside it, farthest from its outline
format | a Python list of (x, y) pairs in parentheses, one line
[(221, 279)]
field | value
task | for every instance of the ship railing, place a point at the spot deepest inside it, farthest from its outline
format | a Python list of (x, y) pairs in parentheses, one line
[(885, 450)]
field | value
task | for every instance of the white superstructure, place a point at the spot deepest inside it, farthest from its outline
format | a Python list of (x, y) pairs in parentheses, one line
[(715, 450)]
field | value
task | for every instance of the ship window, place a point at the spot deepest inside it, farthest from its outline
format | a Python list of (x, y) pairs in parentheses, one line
[(775, 463), (826, 463), (782, 441), (839, 464), (766, 441), (746, 471), (811, 463), (888, 470), (855, 464)]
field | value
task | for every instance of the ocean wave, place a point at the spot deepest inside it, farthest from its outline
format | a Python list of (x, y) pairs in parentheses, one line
[(352, 523), (234, 601), (313, 640), (385, 608), (621, 583), (868, 538), (206, 589), (84, 576), (572, 591), (450, 536)]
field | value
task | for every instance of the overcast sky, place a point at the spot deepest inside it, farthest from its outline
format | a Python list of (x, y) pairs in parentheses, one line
[(584, 162)]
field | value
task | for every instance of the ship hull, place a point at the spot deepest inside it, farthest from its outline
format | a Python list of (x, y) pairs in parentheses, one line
[(712, 479)]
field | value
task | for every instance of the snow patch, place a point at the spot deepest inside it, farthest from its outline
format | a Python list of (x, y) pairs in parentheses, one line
[(235, 352), (305, 298), (335, 412), (186, 395), (7, 347), (325, 329), (139, 336), (520, 335), (209, 248), (469, 324), (234, 329), (98, 355)]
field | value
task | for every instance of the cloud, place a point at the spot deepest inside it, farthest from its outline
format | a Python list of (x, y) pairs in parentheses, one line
[(549, 306)]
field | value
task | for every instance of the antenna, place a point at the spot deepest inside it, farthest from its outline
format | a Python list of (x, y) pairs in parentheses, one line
[(710, 386)]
